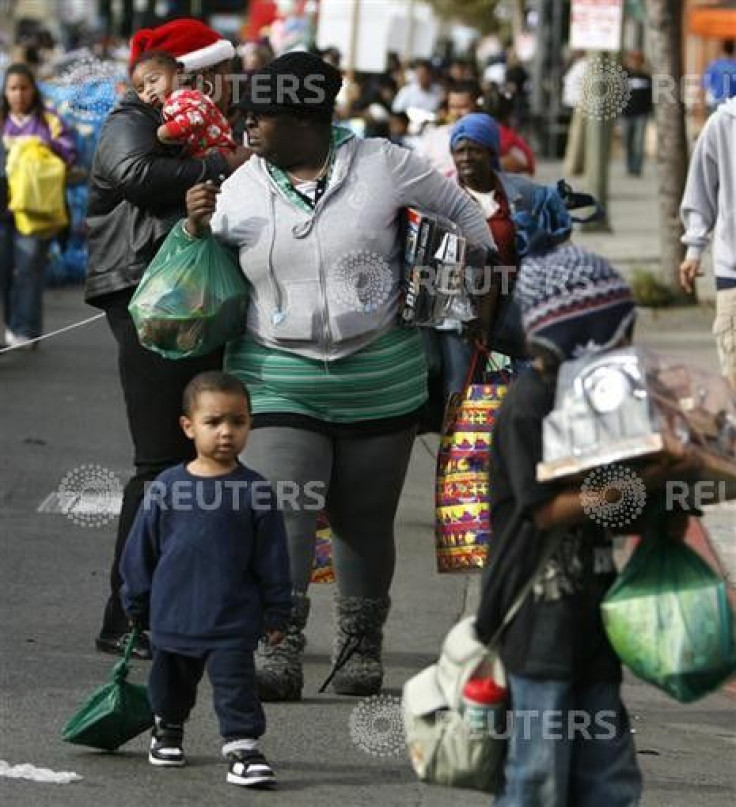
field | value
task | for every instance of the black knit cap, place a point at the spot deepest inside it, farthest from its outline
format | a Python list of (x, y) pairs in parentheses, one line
[(295, 83)]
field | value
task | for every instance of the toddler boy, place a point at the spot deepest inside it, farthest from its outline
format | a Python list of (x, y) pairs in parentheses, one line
[(206, 565)]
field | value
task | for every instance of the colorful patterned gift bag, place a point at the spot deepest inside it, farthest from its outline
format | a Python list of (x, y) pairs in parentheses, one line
[(463, 522), (323, 570)]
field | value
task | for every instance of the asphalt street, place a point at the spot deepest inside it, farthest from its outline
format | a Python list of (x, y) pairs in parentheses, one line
[(61, 411)]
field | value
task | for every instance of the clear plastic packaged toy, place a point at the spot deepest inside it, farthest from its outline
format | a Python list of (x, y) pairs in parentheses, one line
[(634, 403)]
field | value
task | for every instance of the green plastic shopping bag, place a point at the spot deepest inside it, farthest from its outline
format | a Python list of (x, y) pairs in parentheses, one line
[(114, 713), (669, 619), (192, 298)]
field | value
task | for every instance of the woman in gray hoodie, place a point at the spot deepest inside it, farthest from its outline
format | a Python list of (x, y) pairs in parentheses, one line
[(337, 386)]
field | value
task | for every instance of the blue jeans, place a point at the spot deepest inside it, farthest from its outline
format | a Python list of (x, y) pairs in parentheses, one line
[(456, 354), (569, 746), (634, 131), (23, 261)]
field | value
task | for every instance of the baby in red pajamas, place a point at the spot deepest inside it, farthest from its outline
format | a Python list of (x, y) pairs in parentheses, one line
[(191, 119)]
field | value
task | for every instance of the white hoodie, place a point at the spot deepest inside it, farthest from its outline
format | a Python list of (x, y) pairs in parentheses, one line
[(709, 201), (304, 267)]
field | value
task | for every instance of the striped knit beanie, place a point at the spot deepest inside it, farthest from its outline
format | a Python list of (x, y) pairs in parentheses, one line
[(573, 302)]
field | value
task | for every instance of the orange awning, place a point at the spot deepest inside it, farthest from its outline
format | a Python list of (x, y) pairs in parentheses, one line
[(715, 22)]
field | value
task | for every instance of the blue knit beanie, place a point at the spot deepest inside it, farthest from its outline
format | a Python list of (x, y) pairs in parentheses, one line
[(573, 302), (480, 128)]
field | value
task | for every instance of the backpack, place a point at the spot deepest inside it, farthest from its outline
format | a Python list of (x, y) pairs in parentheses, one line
[(548, 223)]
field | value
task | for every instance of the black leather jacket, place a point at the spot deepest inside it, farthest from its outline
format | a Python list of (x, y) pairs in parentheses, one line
[(136, 195)]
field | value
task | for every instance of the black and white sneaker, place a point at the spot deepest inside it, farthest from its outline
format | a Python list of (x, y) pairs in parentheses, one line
[(166, 745), (249, 768)]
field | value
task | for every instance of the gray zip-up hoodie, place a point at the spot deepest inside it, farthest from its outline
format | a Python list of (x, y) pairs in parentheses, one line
[(326, 283), (709, 202)]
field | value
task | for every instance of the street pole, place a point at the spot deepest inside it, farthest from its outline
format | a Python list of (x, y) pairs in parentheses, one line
[(537, 100), (353, 49), (409, 47), (546, 77), (518, 18)]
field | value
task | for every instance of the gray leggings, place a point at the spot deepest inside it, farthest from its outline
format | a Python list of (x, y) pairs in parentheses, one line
[(362, 478)]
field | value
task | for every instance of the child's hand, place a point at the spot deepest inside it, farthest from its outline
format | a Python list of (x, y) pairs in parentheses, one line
[(165, 136), (664, 469), (274, 637)]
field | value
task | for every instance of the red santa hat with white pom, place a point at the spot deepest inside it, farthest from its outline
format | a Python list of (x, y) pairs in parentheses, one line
[(190, 41)]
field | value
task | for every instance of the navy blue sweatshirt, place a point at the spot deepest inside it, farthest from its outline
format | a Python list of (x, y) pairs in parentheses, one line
[(206, 561)]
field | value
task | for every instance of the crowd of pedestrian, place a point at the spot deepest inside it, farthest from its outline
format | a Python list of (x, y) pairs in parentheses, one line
[(325, 390)]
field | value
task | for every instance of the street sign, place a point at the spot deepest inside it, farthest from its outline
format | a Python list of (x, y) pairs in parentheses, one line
[(376, 27), (596, 24)]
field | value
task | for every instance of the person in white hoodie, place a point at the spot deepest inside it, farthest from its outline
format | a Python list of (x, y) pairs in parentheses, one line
[(337, 386), (708, 206)]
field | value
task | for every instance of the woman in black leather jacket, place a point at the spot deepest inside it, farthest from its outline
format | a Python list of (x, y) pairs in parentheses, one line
[(137, 191)]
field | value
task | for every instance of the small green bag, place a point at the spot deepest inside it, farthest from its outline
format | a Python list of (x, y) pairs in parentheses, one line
[(192, 299), (669, 619), (114, 713)]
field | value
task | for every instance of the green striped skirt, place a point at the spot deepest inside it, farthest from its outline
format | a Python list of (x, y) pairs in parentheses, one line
[(386, 379)]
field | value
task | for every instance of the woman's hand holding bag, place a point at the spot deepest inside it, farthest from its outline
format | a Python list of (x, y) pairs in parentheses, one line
[(201, 202)]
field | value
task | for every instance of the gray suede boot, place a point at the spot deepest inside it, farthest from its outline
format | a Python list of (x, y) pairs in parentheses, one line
[(356, 658), (279, 669)]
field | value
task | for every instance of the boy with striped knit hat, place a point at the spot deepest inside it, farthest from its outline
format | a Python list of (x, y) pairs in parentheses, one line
[(574, 744)]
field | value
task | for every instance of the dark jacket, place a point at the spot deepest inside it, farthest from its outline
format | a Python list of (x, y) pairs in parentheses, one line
[(136, 194), (640, 100), (206, 561)]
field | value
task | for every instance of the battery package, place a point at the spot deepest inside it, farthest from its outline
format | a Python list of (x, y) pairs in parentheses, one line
[(434, 278)]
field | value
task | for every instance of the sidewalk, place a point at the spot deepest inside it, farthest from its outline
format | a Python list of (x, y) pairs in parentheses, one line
[(633, 242)]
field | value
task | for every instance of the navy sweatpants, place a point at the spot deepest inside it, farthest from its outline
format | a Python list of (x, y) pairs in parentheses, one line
[(172, 689)]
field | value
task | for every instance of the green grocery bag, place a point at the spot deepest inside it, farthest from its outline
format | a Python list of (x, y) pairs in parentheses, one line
[(669, 619), (114, 713), (192, 298)]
